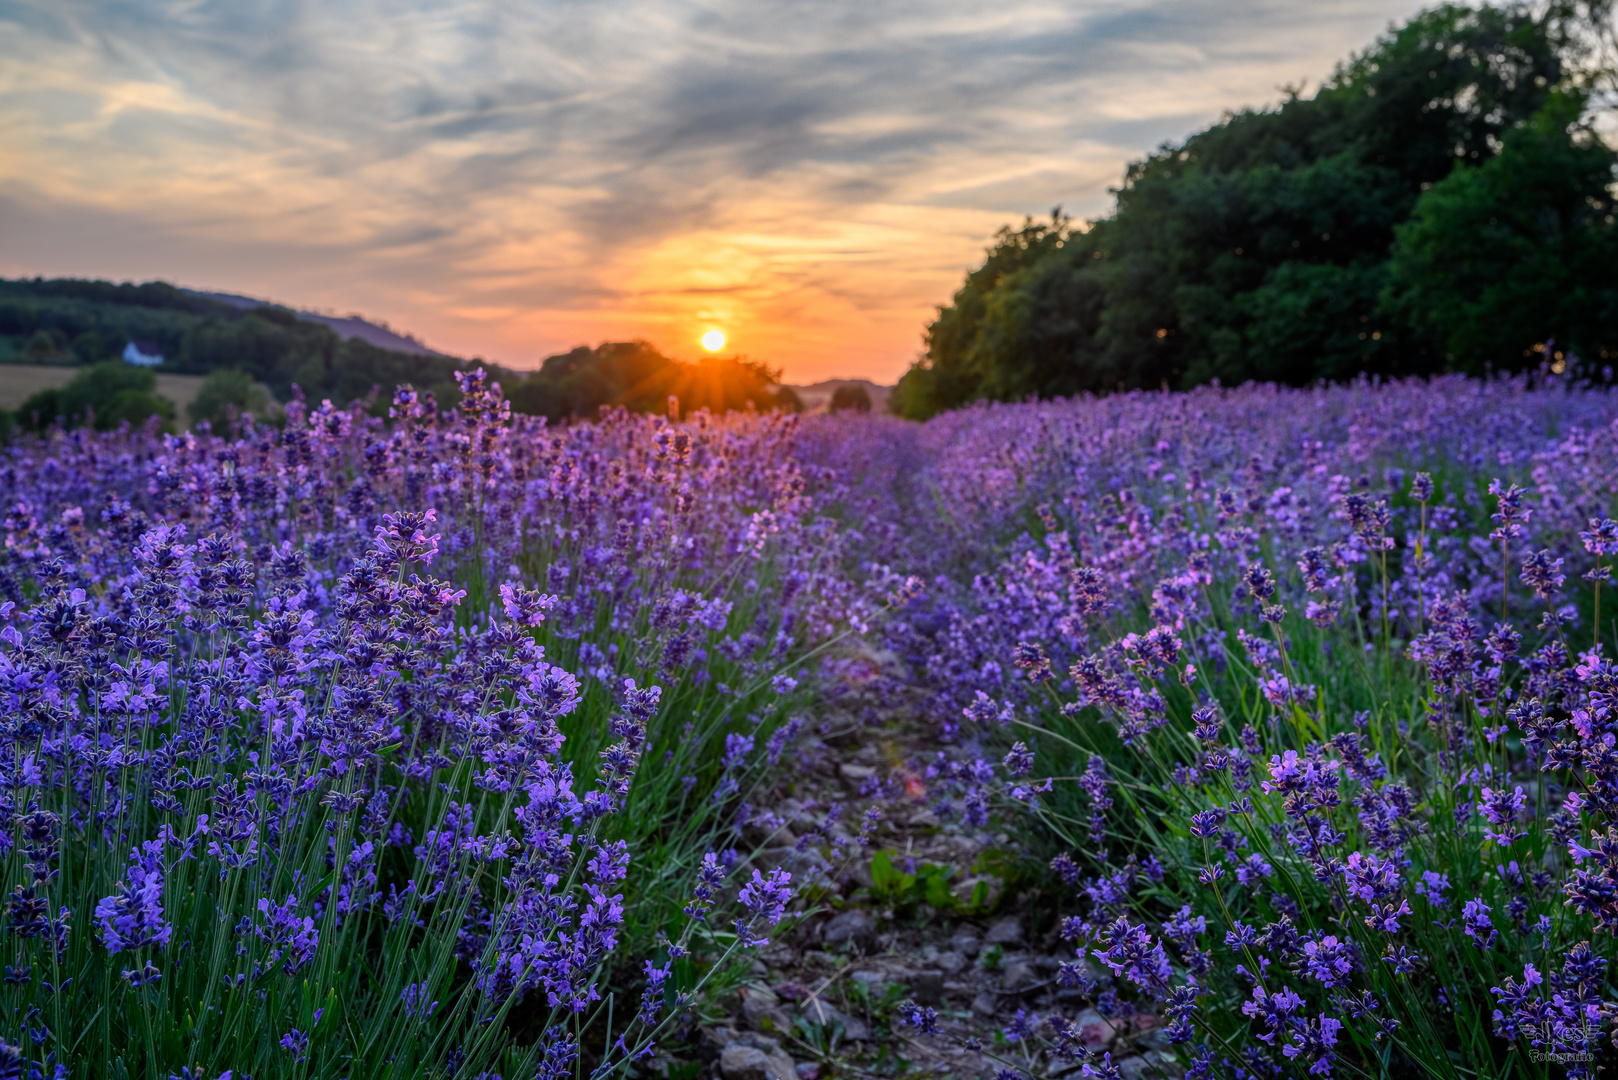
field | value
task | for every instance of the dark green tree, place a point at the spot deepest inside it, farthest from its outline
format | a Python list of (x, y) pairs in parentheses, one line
[(224, 396), (1261, 248), (1501, 255), (108, 394), (635, 376), (850, 398)]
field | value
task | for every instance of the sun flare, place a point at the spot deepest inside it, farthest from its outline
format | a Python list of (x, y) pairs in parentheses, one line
[(713, 340)]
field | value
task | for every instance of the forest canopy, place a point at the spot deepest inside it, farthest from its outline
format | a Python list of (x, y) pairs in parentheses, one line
[(1441, 203)]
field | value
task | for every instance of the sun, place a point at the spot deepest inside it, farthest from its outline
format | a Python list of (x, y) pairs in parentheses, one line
[(713, 340)]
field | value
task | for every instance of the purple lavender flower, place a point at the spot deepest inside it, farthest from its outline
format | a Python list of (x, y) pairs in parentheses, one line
[(415, 1003), (1542, 573), (1314, 1042), (1019, 760), (1510, 514), (1433, 885), (923, 1019), (651, 1002), (737, 747), (296, 1043), (1477, 925), (1132, 952), (763, 898), (1502, 809), (1103, 1069), (133, 918), (524, 606), (1328, 961), (290, 938), (1274, 1011)]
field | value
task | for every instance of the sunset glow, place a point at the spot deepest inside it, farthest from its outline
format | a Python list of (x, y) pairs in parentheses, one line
[(713, 340), (600, 172)]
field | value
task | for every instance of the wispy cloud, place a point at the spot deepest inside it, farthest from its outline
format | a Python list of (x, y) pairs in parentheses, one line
[(509, 180)]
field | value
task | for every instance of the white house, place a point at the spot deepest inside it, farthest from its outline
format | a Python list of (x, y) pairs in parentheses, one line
[(142, 354)]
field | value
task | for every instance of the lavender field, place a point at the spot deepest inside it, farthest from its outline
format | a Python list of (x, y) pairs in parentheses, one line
[(1278, 729)]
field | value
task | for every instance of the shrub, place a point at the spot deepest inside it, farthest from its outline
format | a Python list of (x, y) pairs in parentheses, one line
[(1307, 696), (302, 783), (853, 397), (224, 395), (110, 392)]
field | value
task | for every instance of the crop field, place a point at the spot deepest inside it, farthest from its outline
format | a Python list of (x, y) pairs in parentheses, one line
[(19, 382), (1277, 725)]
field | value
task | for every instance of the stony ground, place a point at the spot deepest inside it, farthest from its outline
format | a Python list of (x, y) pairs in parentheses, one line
[(822, 1001)]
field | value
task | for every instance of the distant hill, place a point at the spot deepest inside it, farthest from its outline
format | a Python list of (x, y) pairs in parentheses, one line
[(381, 335), (816, 397), (68, 322)]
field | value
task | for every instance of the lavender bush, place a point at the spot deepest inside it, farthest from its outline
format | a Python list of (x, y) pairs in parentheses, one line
[(355, 748), (422, 746), (1310, 694)]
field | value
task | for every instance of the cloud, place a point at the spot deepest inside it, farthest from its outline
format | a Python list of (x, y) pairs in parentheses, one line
[(509, 180)]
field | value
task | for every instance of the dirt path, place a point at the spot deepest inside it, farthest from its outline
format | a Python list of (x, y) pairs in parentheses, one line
[(825, 999)]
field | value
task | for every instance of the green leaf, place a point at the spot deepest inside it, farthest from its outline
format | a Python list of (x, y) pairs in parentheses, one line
[(883, 875)]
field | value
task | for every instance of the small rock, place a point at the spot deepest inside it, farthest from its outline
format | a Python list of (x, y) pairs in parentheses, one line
[(1007, 931), (927, 987), (808, 1070), (854, 927), (790, 858), (966, 943), (1096, 1032), (1134, 1067), (739, 1062), (978, 893), (764, 1013), (985, 1004), (789, 991), (873, 979), (818, 1012), (923, 819), (858, 874), (951, 963), (1018, 976), (1165, 1066), (777, 1063), (715, 1039), (857, 772)]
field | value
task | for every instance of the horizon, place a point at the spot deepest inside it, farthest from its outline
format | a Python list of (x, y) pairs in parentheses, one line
[(511, 186)]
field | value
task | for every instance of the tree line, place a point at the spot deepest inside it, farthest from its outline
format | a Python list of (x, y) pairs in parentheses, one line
[(1442, 203), (88, 323)]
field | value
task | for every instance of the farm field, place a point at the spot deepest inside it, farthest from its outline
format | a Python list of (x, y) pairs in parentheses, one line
[(19, 382), (1147, 735)]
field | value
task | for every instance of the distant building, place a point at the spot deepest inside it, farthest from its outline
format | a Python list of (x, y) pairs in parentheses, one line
[(143, 354)]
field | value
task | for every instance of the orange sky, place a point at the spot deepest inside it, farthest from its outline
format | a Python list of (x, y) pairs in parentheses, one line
[(811, 179)]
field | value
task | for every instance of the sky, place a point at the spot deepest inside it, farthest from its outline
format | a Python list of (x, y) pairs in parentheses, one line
[(511, 179)]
